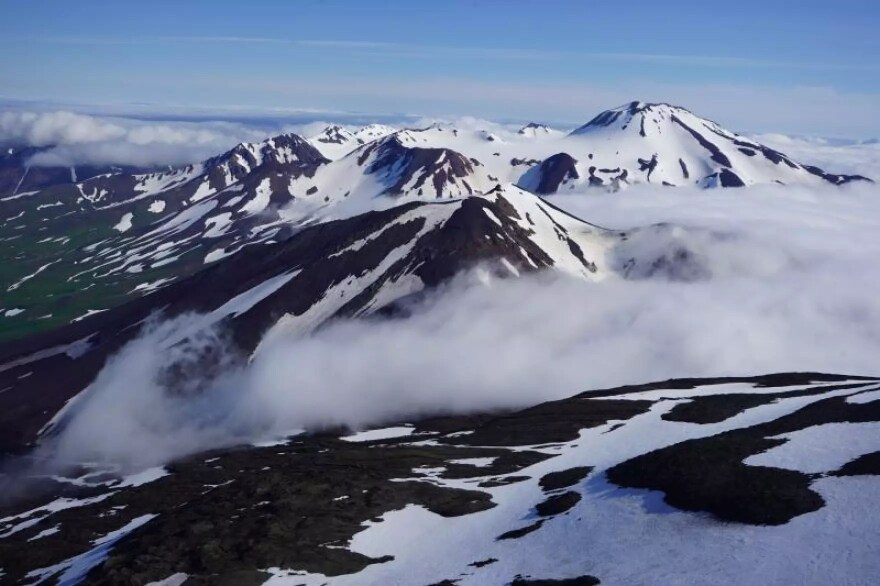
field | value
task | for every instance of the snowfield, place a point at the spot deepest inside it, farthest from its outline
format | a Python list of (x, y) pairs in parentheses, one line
[(632, 537)]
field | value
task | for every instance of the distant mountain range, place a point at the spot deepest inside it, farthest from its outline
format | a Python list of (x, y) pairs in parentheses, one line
[(72, 248)]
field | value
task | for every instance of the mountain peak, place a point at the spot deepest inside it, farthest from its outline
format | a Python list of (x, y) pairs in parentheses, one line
[(634, 114), (646, 142), (534, 129), (373, 131), (432, 171), (335, 134), (282, 149)]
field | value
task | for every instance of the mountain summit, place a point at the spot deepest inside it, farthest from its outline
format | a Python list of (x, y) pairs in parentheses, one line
[(668, 145)]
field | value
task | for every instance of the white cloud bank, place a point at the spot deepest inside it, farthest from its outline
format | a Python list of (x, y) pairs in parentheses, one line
[(777, 279), (86, 139)]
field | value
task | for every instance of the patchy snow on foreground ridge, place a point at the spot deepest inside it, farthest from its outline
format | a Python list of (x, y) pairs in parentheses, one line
[(75, 569), (379, 434), (632, 537), (820, 449)]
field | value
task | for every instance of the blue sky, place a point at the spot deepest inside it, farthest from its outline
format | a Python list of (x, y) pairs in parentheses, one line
[(809, 66)]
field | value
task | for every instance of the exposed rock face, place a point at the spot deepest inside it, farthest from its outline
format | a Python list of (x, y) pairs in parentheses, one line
[(433, 172), (534, 129), (336, 135), (555, 171), (313, 271), (286, 155)]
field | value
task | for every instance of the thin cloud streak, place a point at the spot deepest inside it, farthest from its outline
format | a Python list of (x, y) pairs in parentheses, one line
[(406, 50), (339, 44)]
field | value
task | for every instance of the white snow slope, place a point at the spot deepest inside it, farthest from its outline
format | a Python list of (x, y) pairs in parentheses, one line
[(630, 537)]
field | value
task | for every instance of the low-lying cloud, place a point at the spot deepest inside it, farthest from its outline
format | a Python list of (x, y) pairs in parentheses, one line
[(840, 156), (76, 139), (72, 138), (736, 282)]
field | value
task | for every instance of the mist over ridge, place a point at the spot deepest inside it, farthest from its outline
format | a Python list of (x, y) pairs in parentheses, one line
[(739, 282)]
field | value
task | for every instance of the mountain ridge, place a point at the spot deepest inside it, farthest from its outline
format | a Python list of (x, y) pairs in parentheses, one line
[(131, 233)]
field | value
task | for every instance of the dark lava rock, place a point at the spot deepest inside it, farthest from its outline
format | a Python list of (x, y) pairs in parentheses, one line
[(836, 179), (564, 478), (716, 154), (684, 169), (730, 179), (708, 474), (517, 533), (868, 464), (503, 481), (557, 421), (648, 165), (558, 503), (244, 509), (554, 171), (718, 408), (579, 581), (782, 379)]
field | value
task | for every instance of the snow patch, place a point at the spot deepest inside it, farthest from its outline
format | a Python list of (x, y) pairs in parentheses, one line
[(124, 223), (821, 448), (378, 434)]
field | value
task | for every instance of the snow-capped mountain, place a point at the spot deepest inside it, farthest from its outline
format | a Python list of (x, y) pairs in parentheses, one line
[(533, 129), (335, 134), (122, 235), (285, 156), (373, 132), (411, 169), (350, 267), (668, 145), (336, 141), (146, 230), (172, 189), (637, 143)]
